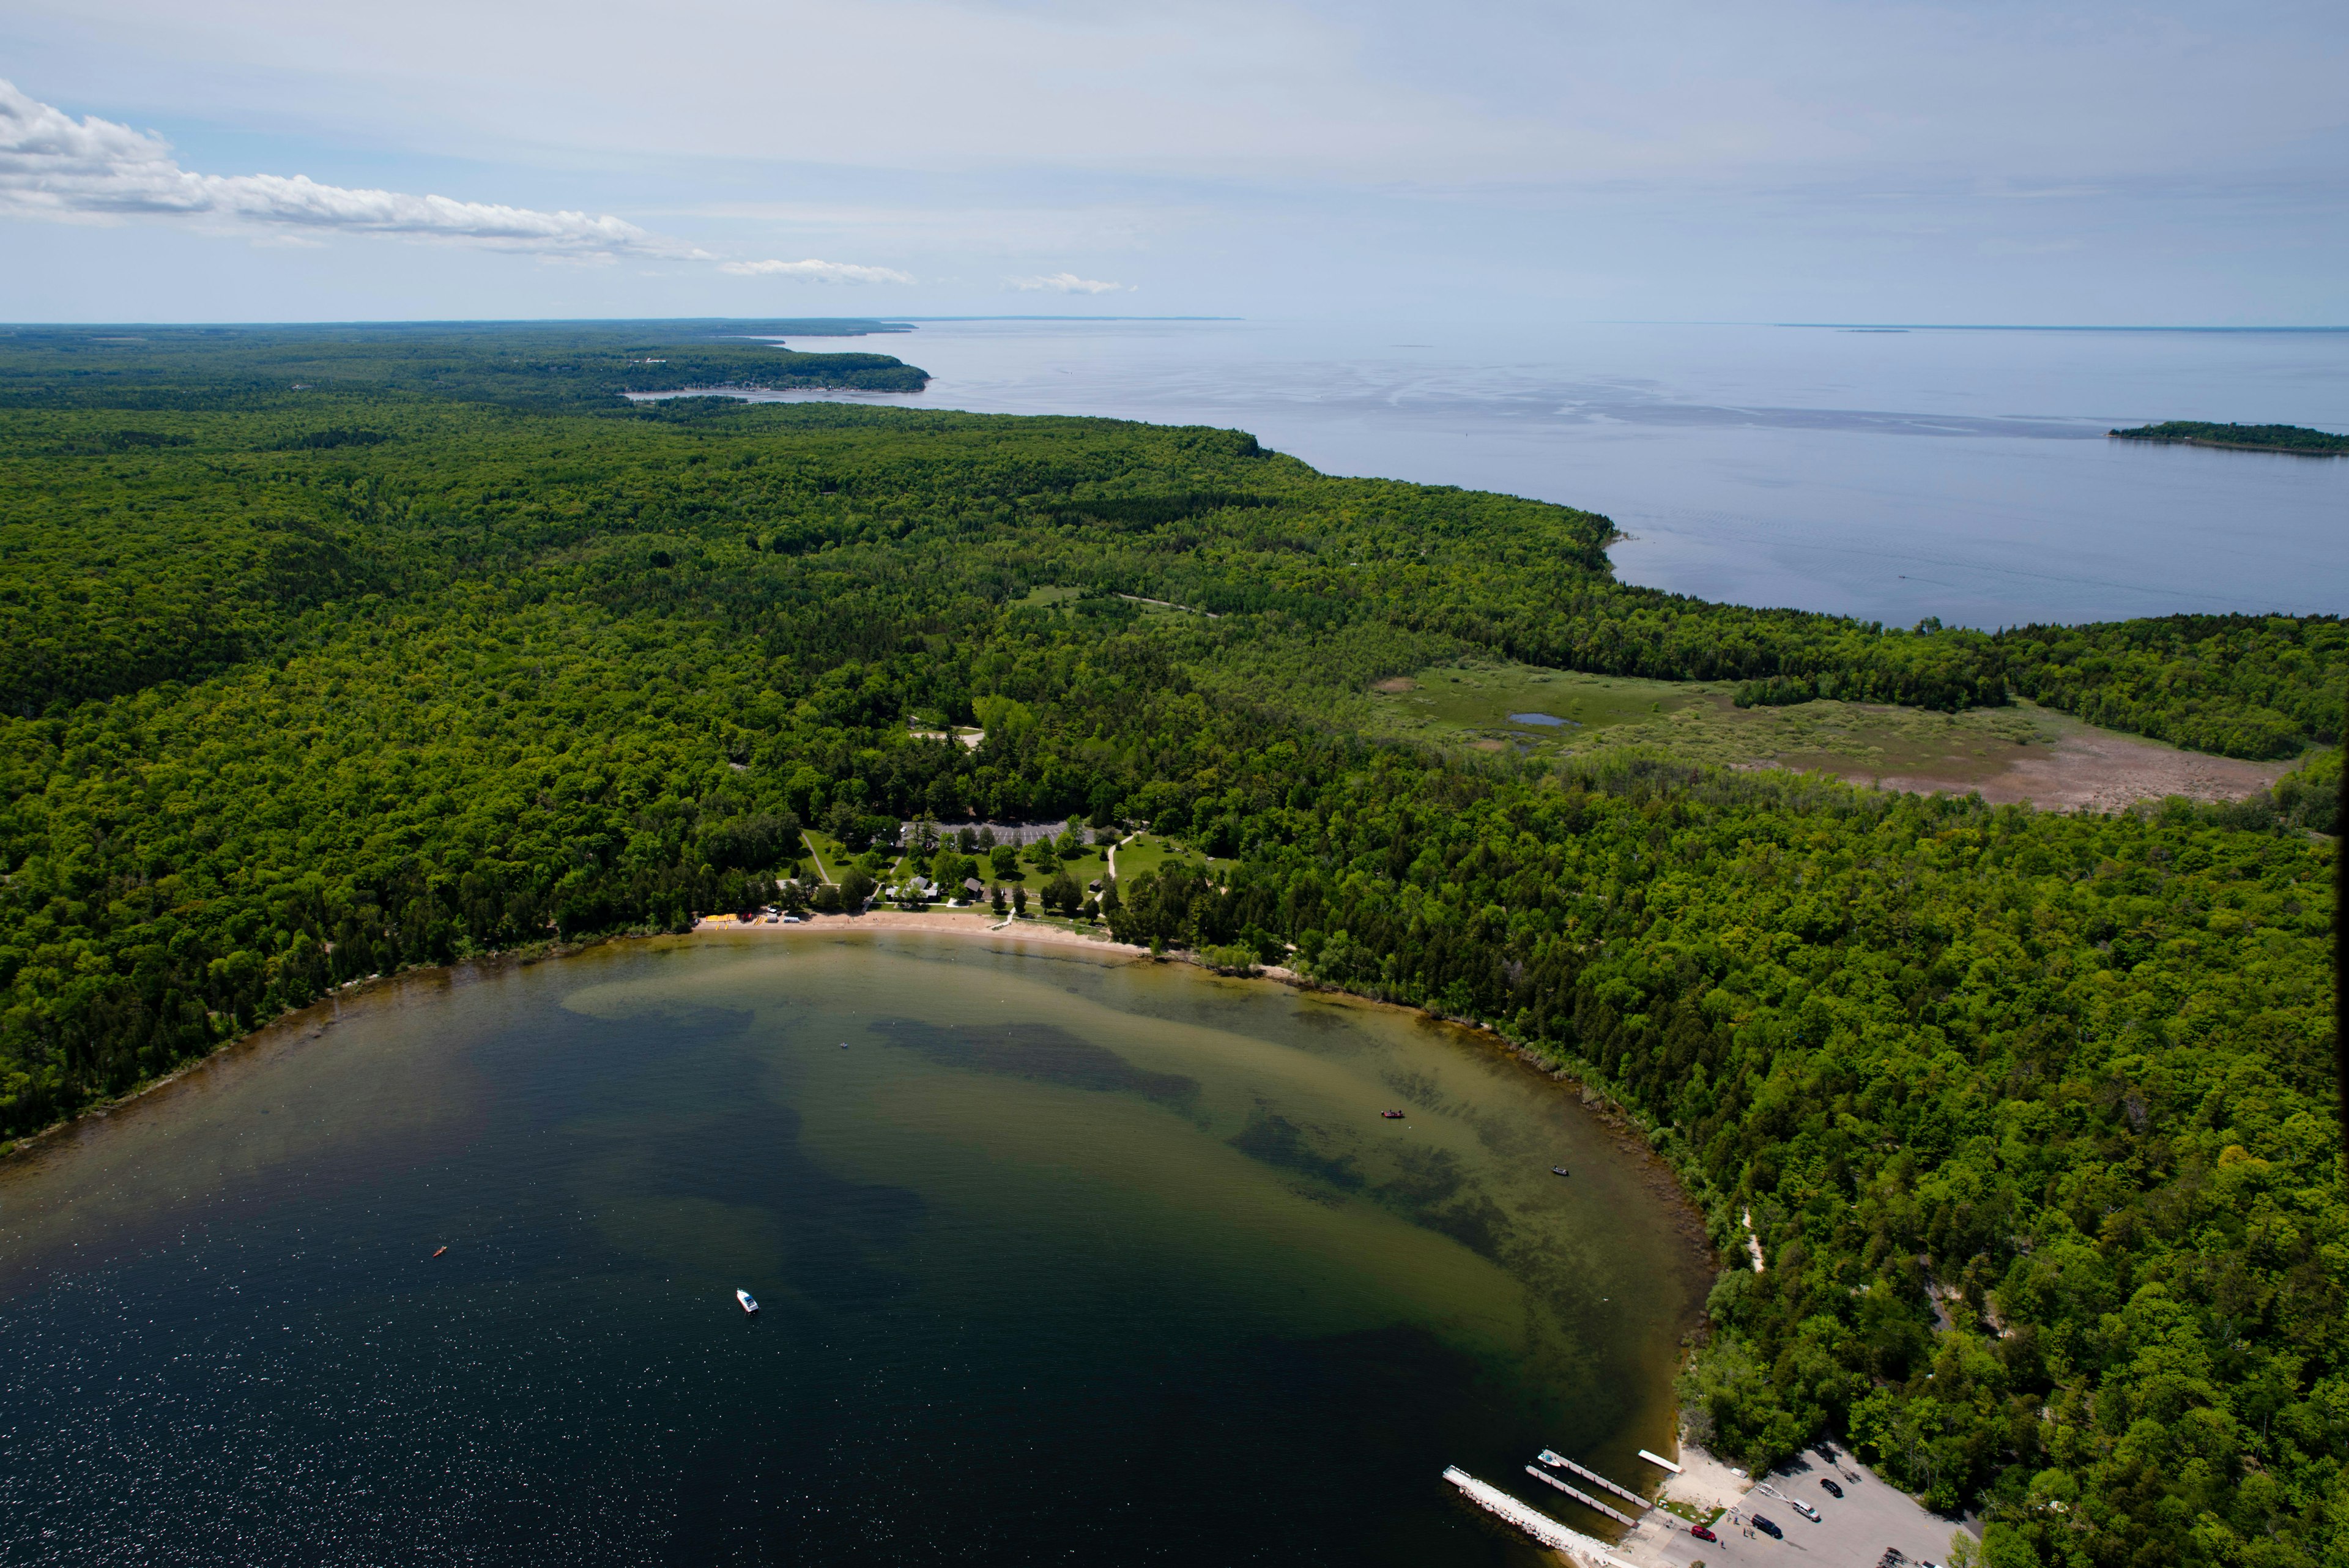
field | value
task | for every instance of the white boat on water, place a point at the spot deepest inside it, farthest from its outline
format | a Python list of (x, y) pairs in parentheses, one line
[(750, 1302)]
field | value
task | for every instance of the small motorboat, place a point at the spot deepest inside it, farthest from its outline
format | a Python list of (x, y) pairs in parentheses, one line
[(443, 1250), (1559, 1170), (1391, 1115), (750, 1302)]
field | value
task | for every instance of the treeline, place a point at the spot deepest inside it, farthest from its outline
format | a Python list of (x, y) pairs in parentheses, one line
[(280, 710), (2239, 685), (2297, 439), (545, 366)]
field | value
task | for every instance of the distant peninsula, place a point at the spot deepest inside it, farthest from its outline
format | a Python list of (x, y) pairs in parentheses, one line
[(2243, 438)]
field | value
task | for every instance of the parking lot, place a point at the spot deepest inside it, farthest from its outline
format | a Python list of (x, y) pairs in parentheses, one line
[(1852, 1531)]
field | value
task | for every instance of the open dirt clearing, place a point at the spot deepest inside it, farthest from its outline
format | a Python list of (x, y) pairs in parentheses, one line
[(2101, 770)]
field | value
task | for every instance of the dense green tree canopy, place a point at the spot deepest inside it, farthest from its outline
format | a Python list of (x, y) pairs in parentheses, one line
[(2295, 439), (440, 654)]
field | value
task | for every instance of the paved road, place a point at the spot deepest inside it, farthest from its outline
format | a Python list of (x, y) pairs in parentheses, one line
[(1853, 1533)]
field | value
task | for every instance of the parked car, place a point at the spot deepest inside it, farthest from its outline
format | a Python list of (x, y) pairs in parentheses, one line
[(1769, 1528), (1701, 1534), (1805, 1508), (1833, 1489)]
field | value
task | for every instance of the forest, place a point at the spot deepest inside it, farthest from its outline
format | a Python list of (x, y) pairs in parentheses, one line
[(325, 652), (2297, 439)]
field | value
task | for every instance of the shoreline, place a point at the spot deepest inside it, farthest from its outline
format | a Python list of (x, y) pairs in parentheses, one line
[(2226, 445), (945, 922), (23, 1144), (314, 1018), (953, 923)]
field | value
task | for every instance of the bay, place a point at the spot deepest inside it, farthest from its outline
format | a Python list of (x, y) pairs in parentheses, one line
[(1062, 1258), (1892, 475)]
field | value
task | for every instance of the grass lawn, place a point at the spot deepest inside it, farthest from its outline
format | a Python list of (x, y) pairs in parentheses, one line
[(831, 858), (1037, 917), (1149, 851), (1091, 864), (1084, 868)]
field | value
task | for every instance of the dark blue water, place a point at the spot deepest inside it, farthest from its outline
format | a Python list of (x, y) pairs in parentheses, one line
[(1060, 1262), (1892, 475)]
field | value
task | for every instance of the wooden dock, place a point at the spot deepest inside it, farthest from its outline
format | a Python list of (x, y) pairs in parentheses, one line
[(1534, 1522), (1658, 1459), (1584, 1498), (1626, 1493)]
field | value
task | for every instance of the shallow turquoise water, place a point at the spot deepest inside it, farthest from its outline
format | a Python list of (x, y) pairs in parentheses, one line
[(1063, 1258)]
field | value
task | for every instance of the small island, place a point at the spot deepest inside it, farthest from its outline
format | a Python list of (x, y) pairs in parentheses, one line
[(2294, 439)]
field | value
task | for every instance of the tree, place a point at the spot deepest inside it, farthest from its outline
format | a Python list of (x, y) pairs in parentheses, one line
[(1019, 900), (751, 842), (1004, 860), (857, 890), (847, 822)]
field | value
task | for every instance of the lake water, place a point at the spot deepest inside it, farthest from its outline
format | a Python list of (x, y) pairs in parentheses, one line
[(1893, 475), (1063, 1259)]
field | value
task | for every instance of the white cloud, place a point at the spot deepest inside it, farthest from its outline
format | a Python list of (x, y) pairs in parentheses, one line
[(53, 166), (1064, 283), (815, 271)]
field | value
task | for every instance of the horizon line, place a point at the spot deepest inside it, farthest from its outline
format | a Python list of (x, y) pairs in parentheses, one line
[(2010, 327), (584, 321)]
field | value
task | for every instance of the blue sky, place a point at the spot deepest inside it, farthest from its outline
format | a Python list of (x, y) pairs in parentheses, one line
[(1804, 160)]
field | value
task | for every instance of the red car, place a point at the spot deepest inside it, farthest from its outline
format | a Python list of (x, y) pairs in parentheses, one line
[(1701, 1534)]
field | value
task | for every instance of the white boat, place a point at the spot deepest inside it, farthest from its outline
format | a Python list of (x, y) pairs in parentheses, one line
[(750, 1302)]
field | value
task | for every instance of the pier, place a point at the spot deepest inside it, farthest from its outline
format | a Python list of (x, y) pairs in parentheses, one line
[(1584, 1498), (1626, 1493), (1659, 1460), (1534, 1522)]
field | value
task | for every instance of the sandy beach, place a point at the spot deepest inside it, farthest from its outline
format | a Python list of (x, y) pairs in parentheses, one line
[(948, 923), (976, 923)]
